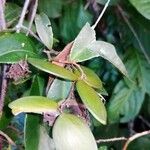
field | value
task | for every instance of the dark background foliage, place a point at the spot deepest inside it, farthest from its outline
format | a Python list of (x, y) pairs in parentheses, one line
[(127, 101)]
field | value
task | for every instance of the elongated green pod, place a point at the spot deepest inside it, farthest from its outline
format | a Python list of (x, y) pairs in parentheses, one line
[(72, 133), (52, 69), (92, 101), (33, 104)]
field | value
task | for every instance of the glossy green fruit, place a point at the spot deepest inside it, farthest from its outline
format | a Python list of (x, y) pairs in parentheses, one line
[(72, 133)]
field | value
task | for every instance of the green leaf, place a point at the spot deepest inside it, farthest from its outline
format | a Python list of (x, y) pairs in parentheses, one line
[(32, 131), (142, 6), (14, 47), (45, 143), (32, 121), (59, 89), (80, 50), (37, 87), (139, 69), (74, 18), (33, 104), (12, 13), (125, 102), (50, 7), (103, 148), (86, 47), (44, 29), (92, 101), (52, 69), (108, 52), (90, 78), (72, 133)]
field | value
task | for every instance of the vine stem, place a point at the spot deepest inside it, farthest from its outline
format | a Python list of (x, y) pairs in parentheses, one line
[(144, 121), (32, 16), (135, 136), (31, 33), (112, 139), (23, 13), (4, 80), (128, 140), (134, 32), (2, 17), (101, 14), (10, 141)]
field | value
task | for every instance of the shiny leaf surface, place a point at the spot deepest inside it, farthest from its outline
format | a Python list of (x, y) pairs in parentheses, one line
[(44, 29), (59, 89), (90, 78), (80, 50), (142, 6), (33, 104), (92, 101), (14, 47), (72, 133), (108, 52), (86, 47), (52, 69)]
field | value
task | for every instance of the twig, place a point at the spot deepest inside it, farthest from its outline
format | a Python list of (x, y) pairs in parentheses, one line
[(31, 33), (10, 141), (132, 138), (32, 16), (87, 5), (112, 139), (134, 32), (4, 80), (131, 128), (24, 10), (3, 88), (2, 17), (101, 14), (144, 121)]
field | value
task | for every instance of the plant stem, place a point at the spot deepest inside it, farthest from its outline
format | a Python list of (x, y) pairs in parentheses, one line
[(32, 15), (101, 14), (31, 33), (134, 32), (132, 138), (10, 141), (144, 121), (23, 13), (111, 140), (2, 17), (4, 80)]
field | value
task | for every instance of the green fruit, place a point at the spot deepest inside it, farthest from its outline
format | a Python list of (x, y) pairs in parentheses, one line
[(72, 133)]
